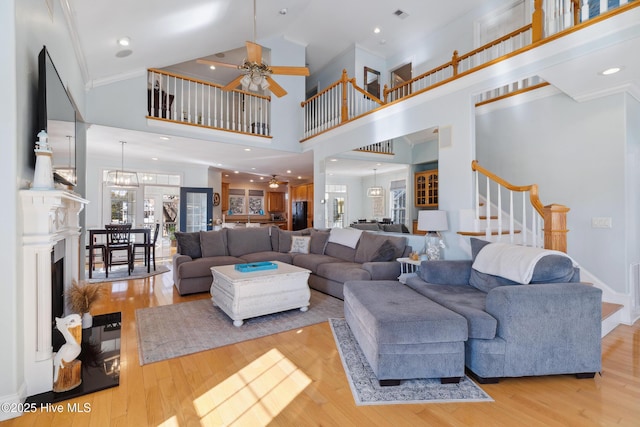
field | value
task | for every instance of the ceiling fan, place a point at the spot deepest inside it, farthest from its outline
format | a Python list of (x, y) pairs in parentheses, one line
[(274, 183), (255, 74)]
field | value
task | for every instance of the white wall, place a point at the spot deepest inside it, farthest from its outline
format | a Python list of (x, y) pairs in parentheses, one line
[(332, 72), (26, 27), (11, 366), (632, 190), (575, 152)]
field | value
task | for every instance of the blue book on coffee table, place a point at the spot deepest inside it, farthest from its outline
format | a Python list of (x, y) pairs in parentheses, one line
[(256, 266)]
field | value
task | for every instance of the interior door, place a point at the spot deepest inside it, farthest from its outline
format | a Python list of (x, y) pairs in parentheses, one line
[(196, 209)]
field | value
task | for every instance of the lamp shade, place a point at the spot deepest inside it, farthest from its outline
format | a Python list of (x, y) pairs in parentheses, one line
[(432, 221)]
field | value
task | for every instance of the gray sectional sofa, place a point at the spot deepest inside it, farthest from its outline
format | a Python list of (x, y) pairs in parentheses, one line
[(371, 256), (549, 325)]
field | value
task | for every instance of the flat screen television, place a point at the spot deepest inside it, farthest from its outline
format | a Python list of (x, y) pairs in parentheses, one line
[(57, 116)]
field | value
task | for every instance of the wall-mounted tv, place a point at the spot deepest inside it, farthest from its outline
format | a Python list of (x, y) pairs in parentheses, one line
[(57, 116)]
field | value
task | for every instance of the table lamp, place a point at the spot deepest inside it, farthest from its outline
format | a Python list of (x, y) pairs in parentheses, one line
[(433, 222)]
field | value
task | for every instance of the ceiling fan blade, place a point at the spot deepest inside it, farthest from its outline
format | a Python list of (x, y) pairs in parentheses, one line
[(234, 83), (254, 52), (275, 88), (290, 71), (216, 63)]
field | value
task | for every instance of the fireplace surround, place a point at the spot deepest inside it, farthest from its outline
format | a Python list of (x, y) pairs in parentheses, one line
[(49, 217)]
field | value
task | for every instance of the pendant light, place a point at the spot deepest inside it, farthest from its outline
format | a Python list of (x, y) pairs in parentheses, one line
[(374, 191), (122, 178)]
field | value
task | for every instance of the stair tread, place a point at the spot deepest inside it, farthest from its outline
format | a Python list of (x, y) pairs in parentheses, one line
[(609, 308), (483, 233)]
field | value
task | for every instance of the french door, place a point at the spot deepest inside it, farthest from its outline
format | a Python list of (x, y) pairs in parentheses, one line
[(196, 209)]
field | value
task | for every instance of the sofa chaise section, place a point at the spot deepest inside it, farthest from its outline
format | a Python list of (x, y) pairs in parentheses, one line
[(551, 325)]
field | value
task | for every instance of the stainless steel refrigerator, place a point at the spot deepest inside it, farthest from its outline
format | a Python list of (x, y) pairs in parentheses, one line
[(299, 215)]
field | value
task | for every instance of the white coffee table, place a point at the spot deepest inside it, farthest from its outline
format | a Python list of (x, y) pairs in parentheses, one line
[(245, 295)]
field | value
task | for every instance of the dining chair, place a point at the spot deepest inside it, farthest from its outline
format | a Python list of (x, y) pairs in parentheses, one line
[(103, 252), (149, 246), (119, 239)]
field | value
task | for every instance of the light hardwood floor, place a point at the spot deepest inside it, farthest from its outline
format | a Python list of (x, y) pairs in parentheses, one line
[(296, 379)]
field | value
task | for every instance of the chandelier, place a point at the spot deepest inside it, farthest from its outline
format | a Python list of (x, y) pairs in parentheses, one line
[(374, 191), (273, 182), (122, 178)]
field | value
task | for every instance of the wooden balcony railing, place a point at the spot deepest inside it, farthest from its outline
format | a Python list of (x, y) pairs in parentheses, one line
[(195, 102), (341, 102), (382, 147), (335, 105), (535, 224)]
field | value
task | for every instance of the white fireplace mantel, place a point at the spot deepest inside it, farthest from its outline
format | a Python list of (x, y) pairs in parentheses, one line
[(49, 216)]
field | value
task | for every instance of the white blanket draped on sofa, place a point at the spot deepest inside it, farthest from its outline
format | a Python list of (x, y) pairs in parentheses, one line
[(512, 262)]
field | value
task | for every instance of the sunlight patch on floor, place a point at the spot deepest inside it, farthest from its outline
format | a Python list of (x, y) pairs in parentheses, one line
[(254, 395)]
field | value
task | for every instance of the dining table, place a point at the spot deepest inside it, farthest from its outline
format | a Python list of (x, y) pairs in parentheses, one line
[(93, 232)]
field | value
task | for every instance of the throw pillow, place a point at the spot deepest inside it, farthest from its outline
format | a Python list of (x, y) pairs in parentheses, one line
[(476, 245), (318, 241), (386, 252), (189, 244), (345, 236), (213, 243), (300, 244)]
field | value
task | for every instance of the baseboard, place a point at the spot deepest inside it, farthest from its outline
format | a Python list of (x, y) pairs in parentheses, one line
[(13, 404)]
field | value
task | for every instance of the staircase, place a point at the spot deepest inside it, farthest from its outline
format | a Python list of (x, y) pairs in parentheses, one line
[(514, 214)]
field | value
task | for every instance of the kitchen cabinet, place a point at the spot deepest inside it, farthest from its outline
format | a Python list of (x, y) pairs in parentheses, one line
[(224, 202), (275, 202), (426, 189)]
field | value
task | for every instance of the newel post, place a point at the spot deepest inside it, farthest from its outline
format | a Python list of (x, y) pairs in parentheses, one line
[(454, 62), (555, 227), (344, 111), (537, 22)]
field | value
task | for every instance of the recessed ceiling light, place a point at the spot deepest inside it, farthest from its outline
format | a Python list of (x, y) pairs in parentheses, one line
[(165, 138), (236, 171), (247, 149), (262, 177), (154, 158), (253, 169), (610, 71), (376, 30), (288, 170), (250, 180), (212, 67), (124, 41), (299, 177), (333, 160)]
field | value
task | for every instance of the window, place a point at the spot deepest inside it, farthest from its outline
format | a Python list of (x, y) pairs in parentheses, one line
[(398, 201), (123, 206)]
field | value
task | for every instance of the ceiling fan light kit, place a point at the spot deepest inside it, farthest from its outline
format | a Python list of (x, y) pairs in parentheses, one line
[(256, 75)]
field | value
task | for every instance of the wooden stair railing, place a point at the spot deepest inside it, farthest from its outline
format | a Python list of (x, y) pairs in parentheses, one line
[(547, 226)]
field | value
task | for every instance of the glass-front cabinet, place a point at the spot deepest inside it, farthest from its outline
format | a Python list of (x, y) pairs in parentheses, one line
[(426, 189)]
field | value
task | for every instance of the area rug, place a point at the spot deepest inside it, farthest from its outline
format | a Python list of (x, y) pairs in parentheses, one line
[(120, 273), (367, 391), (176, 330)]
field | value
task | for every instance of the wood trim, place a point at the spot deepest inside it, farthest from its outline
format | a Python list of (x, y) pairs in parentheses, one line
[(207, 127), (514, 93)]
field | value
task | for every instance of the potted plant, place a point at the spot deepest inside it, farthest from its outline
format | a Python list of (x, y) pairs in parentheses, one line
[(81, 298)]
